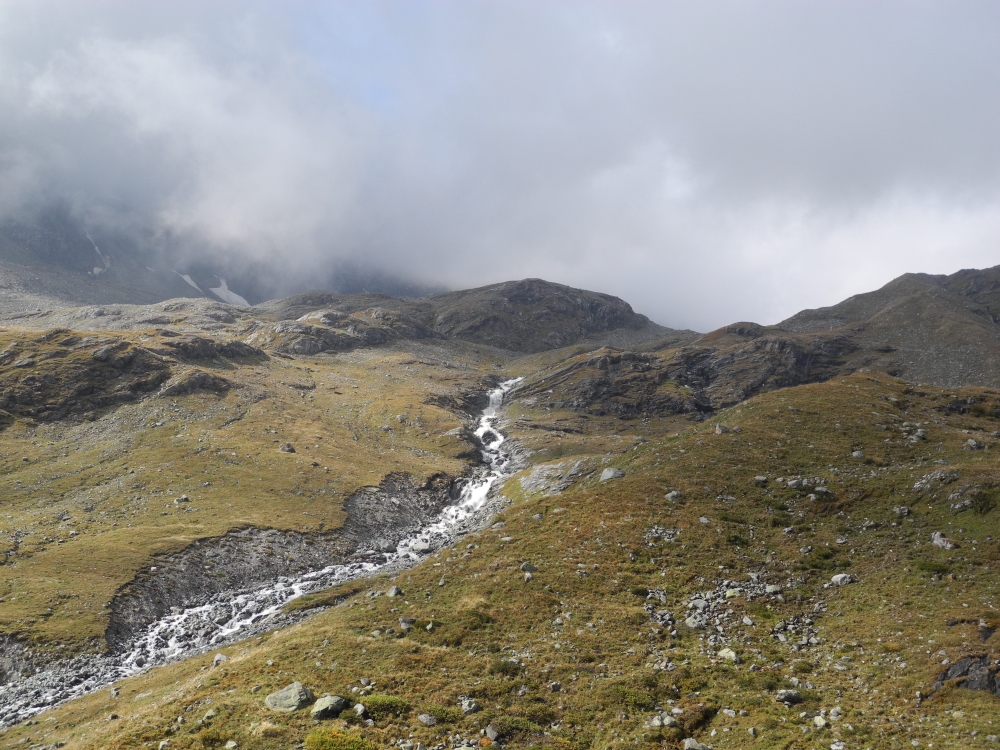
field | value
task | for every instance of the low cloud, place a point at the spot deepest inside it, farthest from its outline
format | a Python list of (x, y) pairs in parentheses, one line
[(707, 162)]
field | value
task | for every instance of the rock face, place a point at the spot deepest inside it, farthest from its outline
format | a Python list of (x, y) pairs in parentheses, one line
[(974, 673), (60, 374), (290, 698)]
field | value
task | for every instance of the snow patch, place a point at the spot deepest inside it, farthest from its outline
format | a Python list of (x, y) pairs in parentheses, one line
[(224, 293), (189, 280), (104, 258)]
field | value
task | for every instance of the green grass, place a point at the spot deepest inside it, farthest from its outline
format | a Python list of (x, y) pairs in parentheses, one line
[(594, 567)]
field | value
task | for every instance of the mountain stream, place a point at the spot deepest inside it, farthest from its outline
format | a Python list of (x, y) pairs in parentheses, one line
[(232, 615)]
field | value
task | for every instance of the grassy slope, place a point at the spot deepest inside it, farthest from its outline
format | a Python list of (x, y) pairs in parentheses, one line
[(593, 561), (93, 502)]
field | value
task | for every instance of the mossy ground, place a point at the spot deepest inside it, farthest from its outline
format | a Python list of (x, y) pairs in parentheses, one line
[(881, 639)]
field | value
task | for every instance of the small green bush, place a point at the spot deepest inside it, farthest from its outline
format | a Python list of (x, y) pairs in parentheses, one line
[(635, 699), (330, 739), (445, 714), (509, 727), (983, 502), (505, 668), (385, 706)]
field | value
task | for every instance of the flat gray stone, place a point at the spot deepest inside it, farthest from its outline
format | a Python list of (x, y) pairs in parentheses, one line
[(611, 473), (329, 707), (290, 698)]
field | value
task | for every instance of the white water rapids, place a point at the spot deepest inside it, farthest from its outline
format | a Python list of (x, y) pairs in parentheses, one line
[(225, 616)]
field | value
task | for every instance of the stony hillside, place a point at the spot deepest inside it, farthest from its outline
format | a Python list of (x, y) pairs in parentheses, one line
[(730, 540), (802, 573)]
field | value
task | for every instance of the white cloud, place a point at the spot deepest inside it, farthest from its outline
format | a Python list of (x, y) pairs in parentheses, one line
[(707, 162)]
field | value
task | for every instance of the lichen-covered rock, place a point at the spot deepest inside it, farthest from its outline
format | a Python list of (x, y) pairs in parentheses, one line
[(290, 698)]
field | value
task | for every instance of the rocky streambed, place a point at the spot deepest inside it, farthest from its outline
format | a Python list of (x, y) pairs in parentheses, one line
[(222, 590)]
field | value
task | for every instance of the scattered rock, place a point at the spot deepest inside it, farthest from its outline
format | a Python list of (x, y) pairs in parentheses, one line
[(394, 591), (611, 473), (692, 744), (842, 579), (360, 710), (329, 707), (492, 733), (290, 698), (286, 448), (857, 454), (721, 429), (527, 567), (219, 658), (427, 720), (468, 705)]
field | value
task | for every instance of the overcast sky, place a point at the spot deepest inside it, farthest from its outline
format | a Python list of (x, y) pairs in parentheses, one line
[(706, 161)]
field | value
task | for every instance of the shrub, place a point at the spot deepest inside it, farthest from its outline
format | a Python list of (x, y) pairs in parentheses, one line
[(509, 727), (330, 739), (445, 714), (929, 566), (638, 700), (385, 706), (639, 591), (505, 668), (983, 502)]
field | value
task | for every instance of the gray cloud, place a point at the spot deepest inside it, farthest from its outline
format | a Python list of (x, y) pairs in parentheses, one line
[(706, 161)]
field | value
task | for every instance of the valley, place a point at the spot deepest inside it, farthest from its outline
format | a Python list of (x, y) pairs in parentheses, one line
[(759, 537)]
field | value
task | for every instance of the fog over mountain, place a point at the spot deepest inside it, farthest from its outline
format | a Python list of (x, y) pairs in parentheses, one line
[(707, 162)]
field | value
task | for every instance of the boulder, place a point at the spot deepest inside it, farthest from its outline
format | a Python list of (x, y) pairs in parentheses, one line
[(427, 720), (729, 655), (788, 697), (692, 744), (611, 473), (290, 698), (842, 579), (938, 539), (286, 448), (329, 707), (394, 591)]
